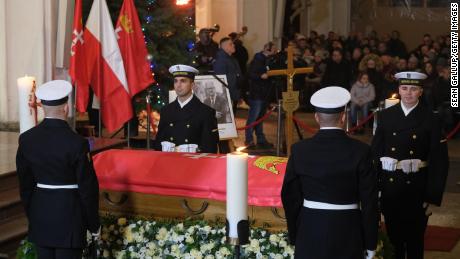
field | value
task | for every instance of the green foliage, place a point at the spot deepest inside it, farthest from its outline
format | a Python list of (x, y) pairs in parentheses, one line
[(26, 250)]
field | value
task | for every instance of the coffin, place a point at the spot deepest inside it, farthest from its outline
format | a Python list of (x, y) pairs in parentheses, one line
[(155, 184)]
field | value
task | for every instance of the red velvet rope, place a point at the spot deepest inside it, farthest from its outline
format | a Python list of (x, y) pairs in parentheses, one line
[(452, 133), (258, 121), (361, 123), (304, 126)]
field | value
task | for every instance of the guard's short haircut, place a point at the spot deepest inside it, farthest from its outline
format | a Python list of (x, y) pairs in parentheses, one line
[(329, 119), (223, 40)]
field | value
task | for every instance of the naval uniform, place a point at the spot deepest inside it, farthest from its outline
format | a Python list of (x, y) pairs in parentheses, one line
[(195, 123), (329, 195), (58, 187), (415, 136)]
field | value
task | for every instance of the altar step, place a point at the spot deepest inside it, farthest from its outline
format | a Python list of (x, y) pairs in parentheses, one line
[(13, 222)]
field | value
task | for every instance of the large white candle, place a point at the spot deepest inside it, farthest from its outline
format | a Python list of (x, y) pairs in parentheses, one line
[(237, 190), (391, 101), (26, 96)]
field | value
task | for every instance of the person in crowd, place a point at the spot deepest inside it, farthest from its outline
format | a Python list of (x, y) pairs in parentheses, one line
[(206, 49), (362, 96), (356, 57), (186, 121), (226, 64), (396, 47), (410, 152), (429, 84), (333, 189), (401, 64), (259, 89), (57, 182), (338, 71), (373, 65), (413, 64)]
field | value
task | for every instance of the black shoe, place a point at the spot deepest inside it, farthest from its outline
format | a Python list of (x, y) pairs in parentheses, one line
[(265, 145), (250, 146)]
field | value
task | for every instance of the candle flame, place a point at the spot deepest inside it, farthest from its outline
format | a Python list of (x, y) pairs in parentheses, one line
[(393, 96), (241, 149)]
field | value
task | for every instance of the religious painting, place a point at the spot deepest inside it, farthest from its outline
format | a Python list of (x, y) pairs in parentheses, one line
[(213, 93)]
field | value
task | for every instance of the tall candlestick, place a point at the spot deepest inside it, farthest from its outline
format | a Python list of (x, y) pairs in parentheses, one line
[(391, 101), (237, 191), (27, 103)]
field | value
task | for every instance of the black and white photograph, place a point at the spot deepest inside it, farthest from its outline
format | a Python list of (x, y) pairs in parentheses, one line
[(214, 94)]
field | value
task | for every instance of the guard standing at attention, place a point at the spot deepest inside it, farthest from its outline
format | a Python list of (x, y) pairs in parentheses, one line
[(58, 186)]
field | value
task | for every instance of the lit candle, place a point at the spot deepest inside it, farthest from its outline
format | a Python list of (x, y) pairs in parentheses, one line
[(26, 97), (237, 190), (391, 101)]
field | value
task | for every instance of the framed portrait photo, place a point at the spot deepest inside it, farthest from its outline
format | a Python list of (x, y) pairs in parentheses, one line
[(214, 94)]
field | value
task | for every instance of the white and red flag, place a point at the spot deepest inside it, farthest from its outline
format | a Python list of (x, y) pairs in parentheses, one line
[(133, 49), (105, 68)]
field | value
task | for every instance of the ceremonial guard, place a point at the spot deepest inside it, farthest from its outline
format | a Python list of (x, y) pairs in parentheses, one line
[(329, 192), (58, 186), (186, 124), (411, 155)]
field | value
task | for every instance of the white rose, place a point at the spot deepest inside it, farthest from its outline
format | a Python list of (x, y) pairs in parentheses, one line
[(207, 229), (224, 251), (274, 238), (189, 240), (279, 256), (283, 243), (106, 253), (209, 257), (196, 254)]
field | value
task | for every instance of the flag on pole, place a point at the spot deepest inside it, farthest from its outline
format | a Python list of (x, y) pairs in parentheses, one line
[(133, 49), (77, 68), (105, 67)]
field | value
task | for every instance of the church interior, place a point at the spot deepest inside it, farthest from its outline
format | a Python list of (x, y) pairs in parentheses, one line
[(149, 196)]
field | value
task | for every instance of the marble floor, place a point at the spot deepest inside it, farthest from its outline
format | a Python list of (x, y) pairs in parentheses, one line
[(447, 215)]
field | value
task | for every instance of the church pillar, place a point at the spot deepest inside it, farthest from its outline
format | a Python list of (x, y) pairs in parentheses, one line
[(3, 70)]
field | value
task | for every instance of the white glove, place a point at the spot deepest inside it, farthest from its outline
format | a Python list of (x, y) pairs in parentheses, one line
[(369, 254), (415, 164), (388, 163), (167, 146), (406, 166), (187, 148)]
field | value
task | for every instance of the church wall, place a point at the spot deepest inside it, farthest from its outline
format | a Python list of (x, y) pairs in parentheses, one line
[(258, 16), (434, 21), (320, 16)]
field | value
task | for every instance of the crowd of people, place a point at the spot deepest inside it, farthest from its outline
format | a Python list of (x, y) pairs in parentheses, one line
[(363, 64)]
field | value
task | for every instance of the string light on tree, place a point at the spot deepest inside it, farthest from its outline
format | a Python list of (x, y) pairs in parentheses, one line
[(182, 2)]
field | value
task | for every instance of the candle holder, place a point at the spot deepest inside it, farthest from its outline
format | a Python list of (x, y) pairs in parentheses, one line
[(243, 236)]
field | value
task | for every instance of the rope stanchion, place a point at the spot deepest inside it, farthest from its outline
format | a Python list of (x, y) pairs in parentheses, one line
[(152, 123), (304, 126), (361, 123), (452, 133), (257, 121)]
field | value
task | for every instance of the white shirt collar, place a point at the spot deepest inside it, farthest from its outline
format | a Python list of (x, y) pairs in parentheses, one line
[(328, 128), (182, 104), (407, 110)]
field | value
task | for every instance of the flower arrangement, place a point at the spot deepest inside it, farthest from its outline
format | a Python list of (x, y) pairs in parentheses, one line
[(127, 238)]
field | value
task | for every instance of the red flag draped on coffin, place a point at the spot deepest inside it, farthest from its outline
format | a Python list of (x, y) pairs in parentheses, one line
[(188, 175)]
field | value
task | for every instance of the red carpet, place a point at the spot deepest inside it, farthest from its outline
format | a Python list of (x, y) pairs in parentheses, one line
[(441, 238)]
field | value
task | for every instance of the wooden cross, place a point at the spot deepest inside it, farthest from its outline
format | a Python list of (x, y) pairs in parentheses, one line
[(290, 97)]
